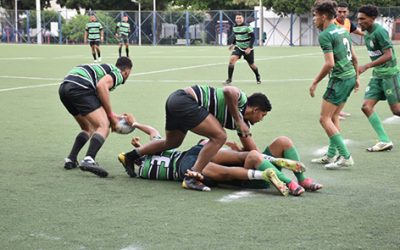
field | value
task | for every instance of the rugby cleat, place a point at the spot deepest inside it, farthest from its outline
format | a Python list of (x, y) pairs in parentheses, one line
[(258, 79), (69, 164), (292, 165), (340, 162), (227, 82), (127, 164), (309, 185), (194, 184), (295, 189), (270, 176), (89, 165), (381, 146), (324, 160)]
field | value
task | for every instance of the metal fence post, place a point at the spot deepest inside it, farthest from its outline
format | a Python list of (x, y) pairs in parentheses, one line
[(154, 28), (187, 28), (28, 17), (220, 27), (60, 28), (291, 29)]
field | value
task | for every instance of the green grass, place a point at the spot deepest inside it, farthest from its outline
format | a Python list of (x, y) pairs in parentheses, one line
[(44, 206)]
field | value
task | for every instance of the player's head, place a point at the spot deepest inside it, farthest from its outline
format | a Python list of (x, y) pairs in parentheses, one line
[(324, 12), (125, 18), (366, 16), (125, 65), (258, 106), (92, 18), (239, 19), (342, 11)]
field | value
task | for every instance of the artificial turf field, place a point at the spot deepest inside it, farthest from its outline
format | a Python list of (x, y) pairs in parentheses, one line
[(44, 206)]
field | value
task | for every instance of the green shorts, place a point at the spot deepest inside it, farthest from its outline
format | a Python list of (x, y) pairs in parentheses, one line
[(384, 89), (339, 90)]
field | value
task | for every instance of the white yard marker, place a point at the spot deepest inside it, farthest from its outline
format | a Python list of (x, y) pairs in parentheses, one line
[(236, 196)]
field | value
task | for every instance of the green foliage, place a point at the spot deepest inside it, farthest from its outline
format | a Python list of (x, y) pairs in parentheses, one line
[(23, 4), (112, 4)]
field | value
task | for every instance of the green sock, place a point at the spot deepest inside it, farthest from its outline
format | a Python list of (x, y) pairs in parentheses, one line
[(266, 164), (377, 126), (331, 149), (337, 139), (292, 154)]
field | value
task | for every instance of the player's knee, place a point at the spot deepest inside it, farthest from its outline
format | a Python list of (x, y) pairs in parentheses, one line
[(284, 141), (366, 109), (254, 157), (220, 138), (396, 112)]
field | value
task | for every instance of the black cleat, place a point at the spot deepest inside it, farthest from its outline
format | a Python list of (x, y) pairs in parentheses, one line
[(68, 164), (194, 184), (258, 80), (89, 165), (128, 164), (227, 82)]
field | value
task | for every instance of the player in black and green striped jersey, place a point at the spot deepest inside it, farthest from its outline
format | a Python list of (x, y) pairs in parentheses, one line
[(94, 34), (384, 84), (85, 93), (243, 46), (205, 110), (340, 64), (122, 33)]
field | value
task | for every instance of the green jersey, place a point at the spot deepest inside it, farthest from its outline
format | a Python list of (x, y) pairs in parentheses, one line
[(88, 75), (337, 40), (123, 28), (244, 36), (213, 100), (161, 166), (377, 41), (94, 29)]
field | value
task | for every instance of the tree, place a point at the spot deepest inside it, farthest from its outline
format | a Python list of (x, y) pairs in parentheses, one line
[(24, 4), (214, 4), (112, 4)]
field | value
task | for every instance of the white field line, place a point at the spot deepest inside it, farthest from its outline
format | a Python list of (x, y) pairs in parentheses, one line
[(324, 149), (236, 196)]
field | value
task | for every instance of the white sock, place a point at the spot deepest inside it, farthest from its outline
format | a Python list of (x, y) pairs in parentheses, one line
[(254, 175)]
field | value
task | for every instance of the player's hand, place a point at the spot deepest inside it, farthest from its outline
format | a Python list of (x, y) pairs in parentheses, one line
[(102, 39), (357, 86), (198, 176), (362, 69), (113, 122), (129, 118), (247, 51), (85, 41), (136, 142), (312, 89), (233, 145), (243, 129)]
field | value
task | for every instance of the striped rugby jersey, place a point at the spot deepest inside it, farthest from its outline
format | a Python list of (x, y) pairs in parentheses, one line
[(88, 75), (213, 100)]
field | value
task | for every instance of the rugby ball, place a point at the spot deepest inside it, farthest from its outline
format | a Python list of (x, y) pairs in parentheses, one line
[(123, 127)]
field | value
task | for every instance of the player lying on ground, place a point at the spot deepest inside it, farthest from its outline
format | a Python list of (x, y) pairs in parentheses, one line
[(385, 81), (174, 164), (206, 111)]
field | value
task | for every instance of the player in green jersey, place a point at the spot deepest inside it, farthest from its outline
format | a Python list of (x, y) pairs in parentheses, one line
[(172, 165), (206, 111), (85, 93), (384, 84), (340, 64), (122, 34), (243, 46), (94, 33)]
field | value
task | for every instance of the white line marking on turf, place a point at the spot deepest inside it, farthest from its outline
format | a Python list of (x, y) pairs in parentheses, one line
[(31, 78), (236, 196), (29, 87), (132, 247), (324, 149), (392, 120)]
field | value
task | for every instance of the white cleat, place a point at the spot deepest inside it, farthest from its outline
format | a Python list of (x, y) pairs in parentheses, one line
[(340, 162), (95, 61), (99, 59), (324, 160), (381, 146)]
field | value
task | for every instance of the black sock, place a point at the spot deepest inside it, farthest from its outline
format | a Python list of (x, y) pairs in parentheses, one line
[(98, 53), (127, 52), (95, 144), (94, 56), (119, 51), (231, 67), (80, 141), (256, 73), (133, 155)]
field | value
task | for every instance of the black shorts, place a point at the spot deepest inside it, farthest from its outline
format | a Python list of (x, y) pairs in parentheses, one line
[(249, 58), (91, 43), (183, 112), (77, 100), (123, 40)]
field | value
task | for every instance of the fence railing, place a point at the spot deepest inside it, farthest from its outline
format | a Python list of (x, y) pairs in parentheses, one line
[(173, 27)]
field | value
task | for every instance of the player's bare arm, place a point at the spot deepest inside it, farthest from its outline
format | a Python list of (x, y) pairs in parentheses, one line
[(387, 56), (231, 95), (326, 68), (103, 93)]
